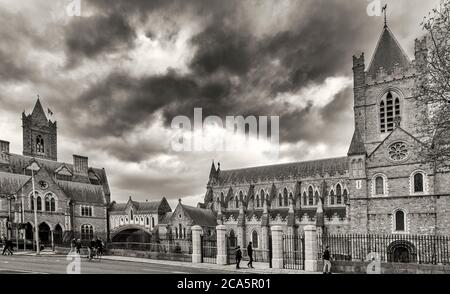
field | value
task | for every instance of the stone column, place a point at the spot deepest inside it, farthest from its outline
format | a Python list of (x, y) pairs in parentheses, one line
[(53, 240), (196, 244), (221, 245), (277, 247), (264, 238), (241, 237), (310, 248)]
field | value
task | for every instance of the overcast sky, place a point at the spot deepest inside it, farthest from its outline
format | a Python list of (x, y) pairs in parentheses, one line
[(117, 75)]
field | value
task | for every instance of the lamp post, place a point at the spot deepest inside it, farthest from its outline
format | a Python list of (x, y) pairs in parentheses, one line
[(35, 167)]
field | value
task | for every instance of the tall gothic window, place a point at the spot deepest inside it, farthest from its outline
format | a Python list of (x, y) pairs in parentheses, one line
[(39, 144), (338, 194), (280, 200), (255, 239), (310, 196), (418, 183), (379, 185), (345, 194), (285, 197), (332, 197), (262, 197), (399, 221), (389, 111), (47, 203), (39, 203), (305, 199)]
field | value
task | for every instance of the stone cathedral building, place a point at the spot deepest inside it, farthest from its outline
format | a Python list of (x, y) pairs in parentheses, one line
[(71, 198), (382, 186)]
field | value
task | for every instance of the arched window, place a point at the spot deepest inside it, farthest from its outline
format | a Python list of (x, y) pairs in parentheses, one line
[(285, 197), (87, 232), (316, 198), (40, 144), (399, 221), (180, 229), (31, 202), (255, 239), (310, 196), (280, 200), (418, 183), (360, 167), (379, 185), (131, 214), (338, 194), (257, 201), (305, 199), (52, 204), (237, 202), (47, 203), (153, 222), (39, 203), (231, 202), (176, 232), (389, 111), (147, 221), (345, 194), (332, 197)]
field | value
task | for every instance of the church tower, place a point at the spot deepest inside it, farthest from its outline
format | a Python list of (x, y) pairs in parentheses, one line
[(384, 92), (39, 134)]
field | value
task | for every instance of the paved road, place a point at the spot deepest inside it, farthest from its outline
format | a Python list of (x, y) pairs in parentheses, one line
[(58, 264)]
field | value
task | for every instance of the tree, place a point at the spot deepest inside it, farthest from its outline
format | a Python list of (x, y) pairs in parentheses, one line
[(433, 87)]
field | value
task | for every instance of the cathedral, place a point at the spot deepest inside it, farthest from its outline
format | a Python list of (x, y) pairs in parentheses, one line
[(382, 185), (71, 199)]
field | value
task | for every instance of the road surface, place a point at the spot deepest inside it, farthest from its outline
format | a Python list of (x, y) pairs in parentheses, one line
[(25, 264)]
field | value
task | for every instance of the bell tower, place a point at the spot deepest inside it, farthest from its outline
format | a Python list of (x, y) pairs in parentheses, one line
[(39, 134)]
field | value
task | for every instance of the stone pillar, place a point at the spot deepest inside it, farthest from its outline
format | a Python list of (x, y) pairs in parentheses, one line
[(264, 238), (221, 245), (53, 240), (310, 248), (277, 246), (196, 244), (241, 237)]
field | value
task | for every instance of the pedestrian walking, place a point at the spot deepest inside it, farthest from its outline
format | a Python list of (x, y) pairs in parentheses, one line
[(238, 256), (8, 248), (78, 246), (326, 261), (250, 255)]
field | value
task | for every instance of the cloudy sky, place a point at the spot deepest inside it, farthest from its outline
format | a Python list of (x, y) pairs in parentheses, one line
[(116, 75)]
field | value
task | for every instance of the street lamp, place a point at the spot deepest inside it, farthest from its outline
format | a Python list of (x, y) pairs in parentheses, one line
[(35, 167)]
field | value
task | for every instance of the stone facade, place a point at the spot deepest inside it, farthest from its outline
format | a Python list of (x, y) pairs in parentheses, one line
[(382, 186), (71, 199)]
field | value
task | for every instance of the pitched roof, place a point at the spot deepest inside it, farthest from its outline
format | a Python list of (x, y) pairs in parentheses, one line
[(387, 53), (282, 171), (201, 216), (11, 183), (83, 192), (38, 111), (357, 146), (146, 206)]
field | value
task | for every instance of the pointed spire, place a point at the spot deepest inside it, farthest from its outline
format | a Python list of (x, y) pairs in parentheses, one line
[(38, 110), (387, 54), (212, 173)]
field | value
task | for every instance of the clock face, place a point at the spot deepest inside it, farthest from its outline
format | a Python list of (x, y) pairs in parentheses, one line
[(43, 184)]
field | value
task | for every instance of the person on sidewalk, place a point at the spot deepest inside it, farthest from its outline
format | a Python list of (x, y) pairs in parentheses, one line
[(8, 247), (326, 261), (238, 256), (78, 246), (250, 255)]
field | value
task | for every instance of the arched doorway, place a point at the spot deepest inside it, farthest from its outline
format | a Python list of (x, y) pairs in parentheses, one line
[(44, 234), (132, 235), (29, 235), (58, 235), (402, 251)]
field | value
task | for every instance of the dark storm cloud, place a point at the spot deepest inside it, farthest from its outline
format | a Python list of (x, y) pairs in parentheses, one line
[(88, 37)]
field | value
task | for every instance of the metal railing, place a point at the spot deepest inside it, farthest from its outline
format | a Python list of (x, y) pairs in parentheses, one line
[(293, 252), (421, 249), (160, 246)]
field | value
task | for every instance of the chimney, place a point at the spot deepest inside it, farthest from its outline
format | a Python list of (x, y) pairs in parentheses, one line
[(80, 165), (4, 151)]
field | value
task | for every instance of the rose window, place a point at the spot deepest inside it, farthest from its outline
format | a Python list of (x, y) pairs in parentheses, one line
[(398, 151)]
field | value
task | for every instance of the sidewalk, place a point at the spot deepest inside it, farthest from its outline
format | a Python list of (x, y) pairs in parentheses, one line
[(260, 268)]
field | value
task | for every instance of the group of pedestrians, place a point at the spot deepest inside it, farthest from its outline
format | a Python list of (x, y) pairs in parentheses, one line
[(249, 253), (95, 247)]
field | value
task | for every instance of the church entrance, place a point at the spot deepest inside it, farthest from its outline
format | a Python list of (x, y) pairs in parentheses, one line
[(44, 234), (58, 235), (402, 251)]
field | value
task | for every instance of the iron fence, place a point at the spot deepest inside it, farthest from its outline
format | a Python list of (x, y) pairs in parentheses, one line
[(259, 255), (231, 249), (209, 249), (421, 249), (294, 252), (182, 246)]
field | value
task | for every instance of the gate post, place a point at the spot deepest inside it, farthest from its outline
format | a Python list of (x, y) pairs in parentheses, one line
[(221, 258), (310, 248), (196, 244), (277, 246)]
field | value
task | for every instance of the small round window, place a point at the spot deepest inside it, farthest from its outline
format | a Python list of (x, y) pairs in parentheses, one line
[(398, 151)]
